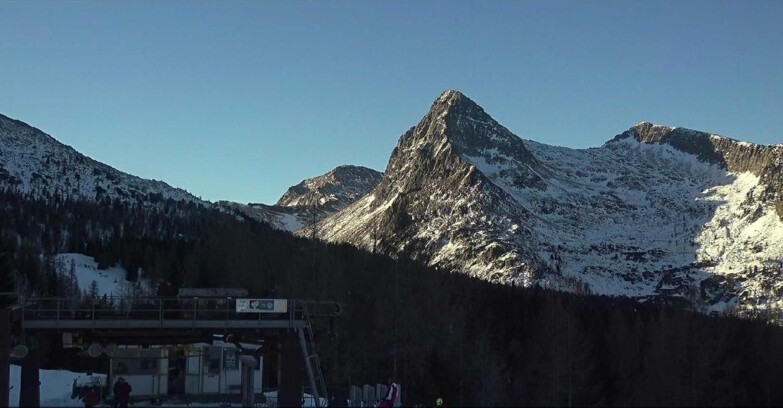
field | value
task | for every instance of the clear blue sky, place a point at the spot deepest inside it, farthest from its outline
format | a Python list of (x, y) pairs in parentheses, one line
[(239, 100)]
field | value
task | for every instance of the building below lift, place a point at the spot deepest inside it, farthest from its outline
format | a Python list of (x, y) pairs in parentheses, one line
[(184, 370), (206, 371)]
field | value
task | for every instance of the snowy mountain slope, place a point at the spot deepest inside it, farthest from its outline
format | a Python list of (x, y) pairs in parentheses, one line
[(282, 218), (332, 191), (109, 282), (56, 386), (34, 162), (640, 220), (655, 212), (314, 198), (435, 206), (766, 162)]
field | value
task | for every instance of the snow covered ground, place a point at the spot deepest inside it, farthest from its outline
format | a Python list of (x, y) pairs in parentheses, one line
[(110, 281), (56, 386)]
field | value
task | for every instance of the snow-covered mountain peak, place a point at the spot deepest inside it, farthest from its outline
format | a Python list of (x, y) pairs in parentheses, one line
[(646, 132), (313, 199), (334, 190), (450, 94), (687, 140), (657, 211), (455, 170), (33, 162), (457, 129), (732, 155)]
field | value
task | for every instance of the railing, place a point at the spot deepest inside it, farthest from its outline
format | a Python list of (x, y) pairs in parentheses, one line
[(145, 308), (159, 309)]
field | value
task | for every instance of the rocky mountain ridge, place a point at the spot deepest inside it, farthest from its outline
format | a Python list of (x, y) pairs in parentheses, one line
[(332, 191), (33, 162), (735, 156), (655, 212), (313, 199)]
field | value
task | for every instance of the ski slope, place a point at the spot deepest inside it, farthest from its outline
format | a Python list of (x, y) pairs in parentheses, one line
[(110, 282)]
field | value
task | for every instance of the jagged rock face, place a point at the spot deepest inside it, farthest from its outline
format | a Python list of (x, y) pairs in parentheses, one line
[(655, 212), (313, 199), (35, 163), (454, 134), (332, 191), (432, 200), (735, 156)]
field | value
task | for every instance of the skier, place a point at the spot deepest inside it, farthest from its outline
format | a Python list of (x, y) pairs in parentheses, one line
[(116, 390), (124, 389), (391, 396)]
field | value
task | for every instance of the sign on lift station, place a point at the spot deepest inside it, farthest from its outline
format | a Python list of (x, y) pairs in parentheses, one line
[(262, 305)]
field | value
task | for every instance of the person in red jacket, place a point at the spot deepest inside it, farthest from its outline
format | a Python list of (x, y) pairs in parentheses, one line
[(123, 390), (391, 396), (92, 396)]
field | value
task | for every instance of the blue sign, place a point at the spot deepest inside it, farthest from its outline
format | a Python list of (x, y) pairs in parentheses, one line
[(261, 305)]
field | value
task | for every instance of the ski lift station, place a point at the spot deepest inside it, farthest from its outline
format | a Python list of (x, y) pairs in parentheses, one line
[(203, 343), (198, 369)]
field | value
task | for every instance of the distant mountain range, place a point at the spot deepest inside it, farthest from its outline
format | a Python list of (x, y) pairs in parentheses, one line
[(36, 164), (655, 212), (313, 199)]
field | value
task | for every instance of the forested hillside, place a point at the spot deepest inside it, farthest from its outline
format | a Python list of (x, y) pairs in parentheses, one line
[(443, 334)]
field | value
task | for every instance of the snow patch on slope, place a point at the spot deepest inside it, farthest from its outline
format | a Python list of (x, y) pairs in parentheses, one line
[(744, 237), (56, 386), (110, 282), (290, 222)]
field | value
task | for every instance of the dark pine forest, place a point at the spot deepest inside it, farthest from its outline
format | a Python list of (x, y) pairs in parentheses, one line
[(442, 334)]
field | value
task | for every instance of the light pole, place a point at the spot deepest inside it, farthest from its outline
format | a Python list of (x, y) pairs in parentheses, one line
[(396, 272)]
